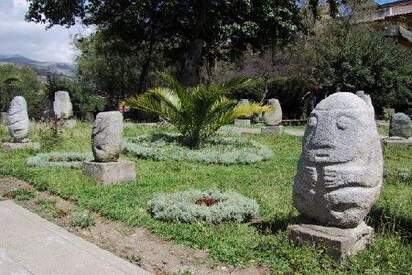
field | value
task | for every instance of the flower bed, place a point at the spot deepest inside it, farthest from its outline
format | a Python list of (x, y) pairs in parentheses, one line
[(218, 150), (57, 159), (203, 206)]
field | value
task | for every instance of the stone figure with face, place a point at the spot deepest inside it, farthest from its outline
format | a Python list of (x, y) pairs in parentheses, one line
[(107, 136), (340, 171), (400, 126), (18, 119)]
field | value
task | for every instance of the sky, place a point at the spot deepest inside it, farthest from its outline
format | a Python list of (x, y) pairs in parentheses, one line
[(33, 41)]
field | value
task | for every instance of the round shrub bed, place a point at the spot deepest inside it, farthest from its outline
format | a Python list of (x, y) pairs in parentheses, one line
[(56, 159), (203, 206), (217, 150)]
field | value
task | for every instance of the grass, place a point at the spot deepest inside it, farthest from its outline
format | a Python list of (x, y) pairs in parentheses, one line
[(20, 194), (82, 219), (269, 183)]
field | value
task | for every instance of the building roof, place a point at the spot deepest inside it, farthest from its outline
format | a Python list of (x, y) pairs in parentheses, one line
[(392, 3)]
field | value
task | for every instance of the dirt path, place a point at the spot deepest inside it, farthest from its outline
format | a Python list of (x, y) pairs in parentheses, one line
[(137, 245)]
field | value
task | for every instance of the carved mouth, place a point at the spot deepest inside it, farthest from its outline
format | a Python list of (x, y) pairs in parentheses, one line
[(321, 156)]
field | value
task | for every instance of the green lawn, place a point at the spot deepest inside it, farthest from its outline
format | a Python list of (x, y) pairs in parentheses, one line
[(270, 183)]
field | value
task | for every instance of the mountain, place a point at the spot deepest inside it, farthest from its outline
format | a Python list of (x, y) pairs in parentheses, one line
[(42, 68)]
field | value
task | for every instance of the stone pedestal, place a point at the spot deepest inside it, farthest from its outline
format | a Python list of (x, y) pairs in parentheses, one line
[(339, 243), (242, 122), (108, 173), (10, 146), (397, 141), (70, 123), (273, 130)]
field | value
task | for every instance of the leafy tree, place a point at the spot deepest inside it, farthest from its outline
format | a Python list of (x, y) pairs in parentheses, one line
[(113, 68), (197, 112), (349, 57), (190, 32), (21, 81)]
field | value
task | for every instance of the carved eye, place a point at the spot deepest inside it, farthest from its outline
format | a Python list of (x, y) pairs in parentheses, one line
[(343, 122), (313, 121)]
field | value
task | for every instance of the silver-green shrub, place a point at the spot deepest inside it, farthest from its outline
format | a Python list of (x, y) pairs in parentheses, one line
[(184, 207), (59, 159), (217, 150)]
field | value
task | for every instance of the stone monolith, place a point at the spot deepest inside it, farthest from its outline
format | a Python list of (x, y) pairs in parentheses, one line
[(273, 118), (62, 105), (340, 175), (107, 142), (18, 119), (400, 126)]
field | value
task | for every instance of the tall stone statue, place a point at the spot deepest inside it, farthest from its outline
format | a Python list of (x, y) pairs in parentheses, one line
[(107, 135), (18, 119), (340, 175), (62, 105), (19, 124), (400, 126), (273, 118)]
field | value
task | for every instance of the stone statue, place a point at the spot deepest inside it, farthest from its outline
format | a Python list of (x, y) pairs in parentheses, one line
[(273, 118), (341, 167), (106, 145), (107, 136), (340, 172), (18, 119), (400, 126), (62, 105)]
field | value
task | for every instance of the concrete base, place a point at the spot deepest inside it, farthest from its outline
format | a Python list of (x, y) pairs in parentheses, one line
[(397, 141), (108, 173), (340, 243), (70, 123), (10, 146), (242, 122), (273, 130)]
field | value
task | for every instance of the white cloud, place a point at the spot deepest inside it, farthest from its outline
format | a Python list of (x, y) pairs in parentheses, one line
[(32, 40)]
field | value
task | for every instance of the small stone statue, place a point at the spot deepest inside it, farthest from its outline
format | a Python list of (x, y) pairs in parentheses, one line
[(107, 136), (340, 173), (18, 119), (62, 105), (273, 118), (107, 142), (400, 126)]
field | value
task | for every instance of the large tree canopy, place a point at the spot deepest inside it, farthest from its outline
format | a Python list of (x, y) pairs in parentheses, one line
[(191, 31)]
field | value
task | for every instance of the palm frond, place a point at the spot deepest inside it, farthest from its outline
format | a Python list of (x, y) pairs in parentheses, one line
[(250, 109), (197, 112)]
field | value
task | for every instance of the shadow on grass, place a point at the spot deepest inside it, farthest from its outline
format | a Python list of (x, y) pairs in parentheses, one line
[(380, 219), (385, 222), (274, 225)]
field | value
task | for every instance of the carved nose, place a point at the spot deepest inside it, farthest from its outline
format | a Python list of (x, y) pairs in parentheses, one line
[(322, 137)]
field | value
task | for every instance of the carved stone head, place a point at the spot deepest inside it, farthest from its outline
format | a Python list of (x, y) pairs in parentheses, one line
[(340, 171), (400, 126), (340, 129), (107, 136), (18, 119), (62, 105)]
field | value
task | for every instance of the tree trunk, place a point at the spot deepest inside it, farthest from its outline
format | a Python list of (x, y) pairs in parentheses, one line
[(190, 70)]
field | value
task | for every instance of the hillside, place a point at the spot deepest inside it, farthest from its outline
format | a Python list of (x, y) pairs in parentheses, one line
[(42, 68)]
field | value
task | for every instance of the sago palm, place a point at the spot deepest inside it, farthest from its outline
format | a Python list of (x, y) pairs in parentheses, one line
[(197, 112)]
